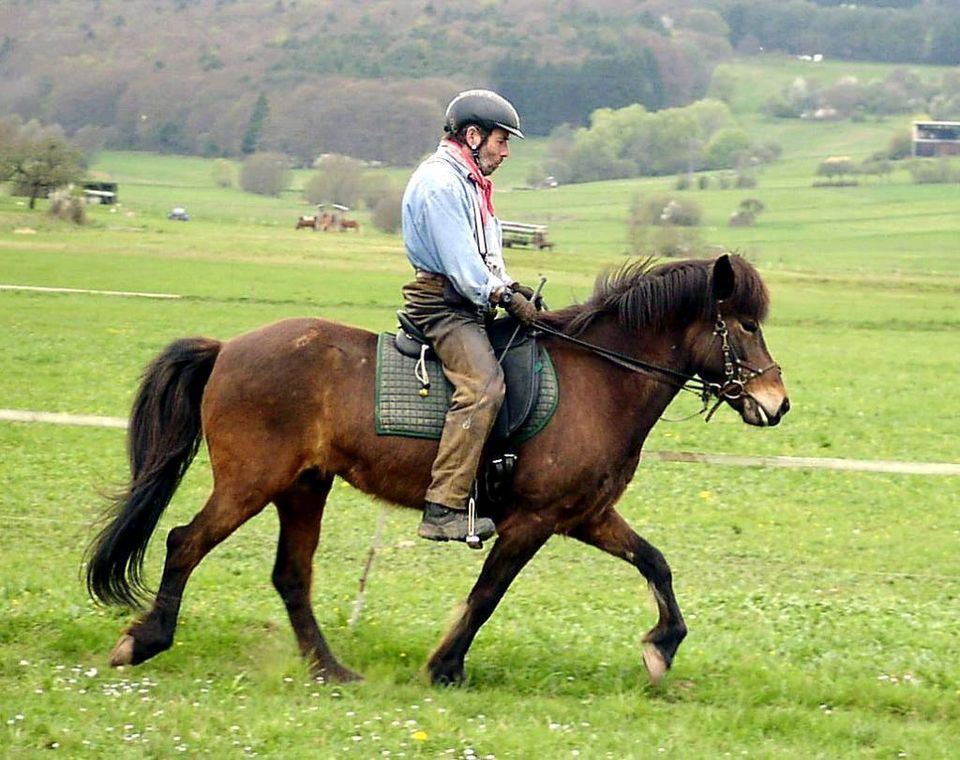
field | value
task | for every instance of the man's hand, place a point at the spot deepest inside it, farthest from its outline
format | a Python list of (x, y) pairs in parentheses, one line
[(520, 307), (529, 293)]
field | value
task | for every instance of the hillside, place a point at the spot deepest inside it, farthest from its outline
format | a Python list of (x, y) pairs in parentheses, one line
[(370, 78), (184, 76)]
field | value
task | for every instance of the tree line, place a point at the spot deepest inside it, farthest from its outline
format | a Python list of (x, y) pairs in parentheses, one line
[(635, 142), (894, 32), (901, 91)]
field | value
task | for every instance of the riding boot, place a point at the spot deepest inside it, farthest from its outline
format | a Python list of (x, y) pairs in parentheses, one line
[(441, 523)]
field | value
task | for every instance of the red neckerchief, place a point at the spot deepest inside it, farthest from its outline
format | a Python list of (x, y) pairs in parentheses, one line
[(464, 156)]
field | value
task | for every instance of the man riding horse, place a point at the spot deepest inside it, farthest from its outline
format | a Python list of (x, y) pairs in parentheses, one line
[(453, 240)]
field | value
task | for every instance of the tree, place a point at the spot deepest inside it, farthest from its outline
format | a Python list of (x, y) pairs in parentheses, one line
[(901, 144), (251, 136), (877, 167), (264, 174), (37, 166), (373, 187), (726, 148), (836, 166), (339, 180)]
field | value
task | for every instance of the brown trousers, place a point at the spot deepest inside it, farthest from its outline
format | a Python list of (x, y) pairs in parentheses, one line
[(456, 329)]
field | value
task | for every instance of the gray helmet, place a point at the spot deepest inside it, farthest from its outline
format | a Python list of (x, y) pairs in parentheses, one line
[(484, 108)]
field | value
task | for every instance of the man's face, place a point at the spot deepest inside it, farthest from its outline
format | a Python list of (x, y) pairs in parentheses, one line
[(493, 151)]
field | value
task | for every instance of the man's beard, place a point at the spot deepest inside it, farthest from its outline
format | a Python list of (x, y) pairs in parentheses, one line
[(487, 166)]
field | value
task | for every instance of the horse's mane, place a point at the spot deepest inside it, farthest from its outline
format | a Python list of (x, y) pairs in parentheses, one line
[(644, 295)]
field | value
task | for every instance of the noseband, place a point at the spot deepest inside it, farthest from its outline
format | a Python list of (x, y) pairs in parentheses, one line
[(737, 373)]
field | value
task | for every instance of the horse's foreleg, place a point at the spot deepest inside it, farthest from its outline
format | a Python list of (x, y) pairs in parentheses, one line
[(300, 514), (187, 545), (518, 541), (611, 533)]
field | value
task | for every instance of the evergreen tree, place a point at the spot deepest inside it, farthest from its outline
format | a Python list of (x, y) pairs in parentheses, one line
[(251, 137)]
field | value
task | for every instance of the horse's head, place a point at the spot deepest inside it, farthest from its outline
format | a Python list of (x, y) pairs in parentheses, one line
[(728, 349)]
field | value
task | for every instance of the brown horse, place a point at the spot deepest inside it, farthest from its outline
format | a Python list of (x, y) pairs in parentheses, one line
[(349, 224), (286, 408)]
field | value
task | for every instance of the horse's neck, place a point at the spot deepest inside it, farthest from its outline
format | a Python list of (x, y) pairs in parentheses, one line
[(641, 395)]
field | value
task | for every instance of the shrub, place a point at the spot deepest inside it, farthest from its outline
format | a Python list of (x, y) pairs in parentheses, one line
[(726, 148), (934, 171), (877, 167), (387, 211), (746, 214), (222, 173), (338, 180), (373, 187), (68, 204), (676, 242), (836, 167), (901, 145), (665, 211), (264, 174)]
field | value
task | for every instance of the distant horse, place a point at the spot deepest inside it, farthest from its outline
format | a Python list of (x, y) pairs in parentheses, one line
[(349, 224), (306, 221), (286, 408)]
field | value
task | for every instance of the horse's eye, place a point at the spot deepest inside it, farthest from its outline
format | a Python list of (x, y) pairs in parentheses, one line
[(749, 325)]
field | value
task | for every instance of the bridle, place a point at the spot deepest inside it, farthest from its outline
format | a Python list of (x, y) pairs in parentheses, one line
[(737, 372)]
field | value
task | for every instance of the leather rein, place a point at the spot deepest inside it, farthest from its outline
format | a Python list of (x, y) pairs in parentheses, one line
[(737, 373)]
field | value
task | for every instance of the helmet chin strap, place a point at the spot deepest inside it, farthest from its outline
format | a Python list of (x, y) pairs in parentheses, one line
[(475, 151)]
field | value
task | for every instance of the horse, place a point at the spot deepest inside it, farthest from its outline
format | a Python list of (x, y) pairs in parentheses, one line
[(349, 224), (288, 407), (306, 221)]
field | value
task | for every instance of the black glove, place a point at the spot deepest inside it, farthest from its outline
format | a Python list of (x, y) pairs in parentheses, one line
[(529, 293), (519, 306)]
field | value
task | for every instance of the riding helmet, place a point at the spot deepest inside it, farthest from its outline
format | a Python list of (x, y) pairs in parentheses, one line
[(484, 108)]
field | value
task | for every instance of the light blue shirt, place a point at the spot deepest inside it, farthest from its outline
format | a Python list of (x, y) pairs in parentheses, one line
[(442, 231)]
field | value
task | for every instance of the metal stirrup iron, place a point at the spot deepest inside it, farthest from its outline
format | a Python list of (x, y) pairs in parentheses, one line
[(472, 539)]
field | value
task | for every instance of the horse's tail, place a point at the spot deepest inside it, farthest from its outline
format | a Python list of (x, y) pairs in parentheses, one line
[(162, 440)]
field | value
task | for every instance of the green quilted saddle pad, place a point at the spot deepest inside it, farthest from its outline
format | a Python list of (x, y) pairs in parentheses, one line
[(401, 410)]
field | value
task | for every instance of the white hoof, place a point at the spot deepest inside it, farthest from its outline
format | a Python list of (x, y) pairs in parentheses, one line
[(122, 653), (655, 664)]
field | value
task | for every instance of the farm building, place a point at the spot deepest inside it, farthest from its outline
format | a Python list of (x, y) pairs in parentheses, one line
[(936, 138)]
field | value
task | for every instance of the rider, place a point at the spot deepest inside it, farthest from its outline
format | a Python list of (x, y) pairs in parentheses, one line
[(453, 241)]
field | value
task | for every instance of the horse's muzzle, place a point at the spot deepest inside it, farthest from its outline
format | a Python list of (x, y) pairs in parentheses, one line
[(762, 411)]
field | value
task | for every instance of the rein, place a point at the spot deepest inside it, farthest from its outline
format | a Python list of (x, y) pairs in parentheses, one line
[(737, 373)]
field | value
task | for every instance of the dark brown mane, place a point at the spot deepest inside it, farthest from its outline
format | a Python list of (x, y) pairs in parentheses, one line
[(644, 295)]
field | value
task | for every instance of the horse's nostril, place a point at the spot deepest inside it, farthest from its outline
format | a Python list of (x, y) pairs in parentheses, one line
[(785, 406)]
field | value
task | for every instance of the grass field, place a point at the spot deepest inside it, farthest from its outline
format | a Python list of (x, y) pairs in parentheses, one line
[(822, 605)]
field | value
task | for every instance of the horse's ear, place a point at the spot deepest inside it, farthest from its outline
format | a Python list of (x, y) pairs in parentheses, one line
[(724, 279)]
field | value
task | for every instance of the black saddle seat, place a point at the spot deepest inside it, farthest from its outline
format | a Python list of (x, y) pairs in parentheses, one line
[(516, 348)]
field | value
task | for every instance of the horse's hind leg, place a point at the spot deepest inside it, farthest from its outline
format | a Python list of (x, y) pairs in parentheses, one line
[(301, 510), (610, 532), (187, 545)]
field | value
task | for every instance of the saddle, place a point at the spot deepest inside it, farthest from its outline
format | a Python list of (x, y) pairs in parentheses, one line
[(413, 394)]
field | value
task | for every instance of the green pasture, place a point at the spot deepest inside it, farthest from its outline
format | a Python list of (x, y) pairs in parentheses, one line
[(822, 605)]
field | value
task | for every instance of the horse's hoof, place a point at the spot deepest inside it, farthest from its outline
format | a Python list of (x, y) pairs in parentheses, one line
[(338, 674), (655, 664), (451, 677), (122, 653), (345, 675)]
